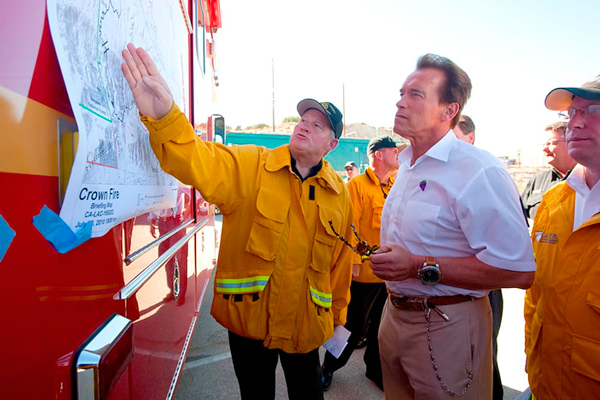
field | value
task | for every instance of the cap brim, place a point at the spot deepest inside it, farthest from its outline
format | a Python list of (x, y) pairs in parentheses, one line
[(560, 99), (307, 104)]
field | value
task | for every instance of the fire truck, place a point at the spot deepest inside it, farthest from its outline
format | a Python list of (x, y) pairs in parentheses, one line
[(112, 317)]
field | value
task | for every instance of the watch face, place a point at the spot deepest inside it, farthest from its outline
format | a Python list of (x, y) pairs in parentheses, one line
[(430, 275)]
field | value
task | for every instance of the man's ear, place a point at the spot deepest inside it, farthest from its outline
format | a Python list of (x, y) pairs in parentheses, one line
[(450, 111), (332, 144), (471, 136)]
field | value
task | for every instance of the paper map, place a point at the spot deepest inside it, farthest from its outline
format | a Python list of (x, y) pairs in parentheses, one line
[(115, 175)]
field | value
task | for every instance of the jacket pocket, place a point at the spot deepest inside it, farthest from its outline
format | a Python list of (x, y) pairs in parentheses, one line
[(326, 239), (376, 221), (585, 358), (240, 302), (322, 255), (534, 352), (267, 226)]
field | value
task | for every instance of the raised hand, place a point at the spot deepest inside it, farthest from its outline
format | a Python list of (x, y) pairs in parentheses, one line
[(150, 91)]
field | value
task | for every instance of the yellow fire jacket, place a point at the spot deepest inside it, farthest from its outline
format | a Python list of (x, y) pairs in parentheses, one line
[(367, 194), (282, 275), (562, 308)]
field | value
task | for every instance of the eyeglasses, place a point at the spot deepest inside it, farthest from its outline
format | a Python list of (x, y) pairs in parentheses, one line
[(362, 248), (553, 142), (592, 110)]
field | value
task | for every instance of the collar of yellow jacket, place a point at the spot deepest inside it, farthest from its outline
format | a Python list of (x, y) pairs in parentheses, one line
[(281, 158), (561, 198), (371, 174)]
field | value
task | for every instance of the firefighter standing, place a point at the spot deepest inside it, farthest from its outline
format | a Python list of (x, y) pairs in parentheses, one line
[(283, 278)]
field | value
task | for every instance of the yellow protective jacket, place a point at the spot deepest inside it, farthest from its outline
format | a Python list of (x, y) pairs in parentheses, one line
[(366, 192), (562, 308), (282, 275)]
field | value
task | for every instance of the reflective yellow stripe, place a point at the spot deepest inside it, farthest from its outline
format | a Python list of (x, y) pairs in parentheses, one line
[(242, 285), (322, 299)]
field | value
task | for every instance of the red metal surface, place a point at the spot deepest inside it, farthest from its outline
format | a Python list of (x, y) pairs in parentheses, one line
[(52, 302), (56, 300)]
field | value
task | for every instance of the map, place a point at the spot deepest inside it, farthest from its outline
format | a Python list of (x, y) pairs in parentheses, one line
[(115, 175)]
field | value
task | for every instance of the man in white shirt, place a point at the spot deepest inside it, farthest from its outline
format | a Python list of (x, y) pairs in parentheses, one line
[(452, 230)]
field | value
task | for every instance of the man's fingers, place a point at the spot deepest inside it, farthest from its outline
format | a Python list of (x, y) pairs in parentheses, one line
[(147, 61), (128, 76), (386, 248), (136, 58), (377, 258), (133, 69), (151, 68)]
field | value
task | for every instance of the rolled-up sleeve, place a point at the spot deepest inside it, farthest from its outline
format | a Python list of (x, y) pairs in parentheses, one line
[(493, 223)]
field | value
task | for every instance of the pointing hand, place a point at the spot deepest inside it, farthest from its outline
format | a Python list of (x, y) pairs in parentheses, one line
[(150, 91)]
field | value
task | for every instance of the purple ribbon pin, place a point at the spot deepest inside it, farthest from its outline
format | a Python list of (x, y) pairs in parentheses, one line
[(422, 184)]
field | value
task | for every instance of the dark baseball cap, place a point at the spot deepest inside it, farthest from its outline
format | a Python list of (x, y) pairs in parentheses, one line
[(561, 98), (381, 142), (350, 164), (331, 112)]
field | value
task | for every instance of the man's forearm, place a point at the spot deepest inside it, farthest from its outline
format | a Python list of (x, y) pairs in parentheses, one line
[(472, 273)]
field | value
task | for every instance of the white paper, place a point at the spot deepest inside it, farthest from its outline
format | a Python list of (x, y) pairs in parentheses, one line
[(338, 341), (115, 175)]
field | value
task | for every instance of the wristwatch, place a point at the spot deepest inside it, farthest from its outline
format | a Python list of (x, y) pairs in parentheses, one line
[(430, 272)]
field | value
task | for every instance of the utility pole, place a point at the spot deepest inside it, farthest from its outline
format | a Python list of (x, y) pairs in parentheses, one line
[(344, 107), (273, 85)]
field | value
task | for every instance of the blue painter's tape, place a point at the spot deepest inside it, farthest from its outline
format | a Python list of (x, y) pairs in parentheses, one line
[(6, 236), (57, 232)]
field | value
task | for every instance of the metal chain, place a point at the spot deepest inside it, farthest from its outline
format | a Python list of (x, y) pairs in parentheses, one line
[(435, 367), (382, 185), (363, 248), (358, 237), (343, 239)]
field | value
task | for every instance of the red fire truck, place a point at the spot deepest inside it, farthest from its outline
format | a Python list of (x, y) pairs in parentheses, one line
[(112, 318)]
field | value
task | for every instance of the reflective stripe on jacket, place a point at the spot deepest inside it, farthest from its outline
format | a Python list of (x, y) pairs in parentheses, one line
[(562, 308), (367, 194), (282, 274)]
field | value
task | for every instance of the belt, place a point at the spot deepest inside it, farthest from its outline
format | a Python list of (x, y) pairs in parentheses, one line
[(423, 303)]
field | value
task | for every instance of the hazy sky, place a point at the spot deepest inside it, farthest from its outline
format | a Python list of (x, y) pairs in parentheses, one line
[(514, 51)]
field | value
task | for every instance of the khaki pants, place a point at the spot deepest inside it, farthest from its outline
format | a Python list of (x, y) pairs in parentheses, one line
[(460, 345)]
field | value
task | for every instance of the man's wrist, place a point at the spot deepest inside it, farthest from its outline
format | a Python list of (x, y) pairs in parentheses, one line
[(416, 264)]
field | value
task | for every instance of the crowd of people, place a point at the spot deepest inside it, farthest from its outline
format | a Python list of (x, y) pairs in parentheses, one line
[(412, 252)]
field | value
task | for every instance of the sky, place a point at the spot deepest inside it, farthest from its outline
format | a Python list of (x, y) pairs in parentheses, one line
[(357, 54)]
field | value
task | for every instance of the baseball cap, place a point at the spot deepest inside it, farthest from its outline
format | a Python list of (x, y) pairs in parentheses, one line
[(381, 142), (561, 98), (350, 164), (331, 112)]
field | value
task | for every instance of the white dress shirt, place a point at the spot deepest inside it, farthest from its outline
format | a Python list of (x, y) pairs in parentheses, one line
[(587, 202), (455, 201)]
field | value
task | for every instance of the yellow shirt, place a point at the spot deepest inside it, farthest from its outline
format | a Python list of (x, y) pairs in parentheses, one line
[(367, 194), (562, 308), (282, 275)]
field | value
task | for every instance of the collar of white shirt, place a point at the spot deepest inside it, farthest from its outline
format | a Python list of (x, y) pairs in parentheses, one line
[(587, 201), (439, 151)]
